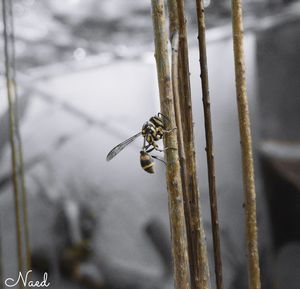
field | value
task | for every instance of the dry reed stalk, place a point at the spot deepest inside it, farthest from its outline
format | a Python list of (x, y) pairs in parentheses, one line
[(246, 146), (19, 140), (12, 129), (200, 274), (175, 88), (174, 39), (181, 152), (209, 143), (176, 210)]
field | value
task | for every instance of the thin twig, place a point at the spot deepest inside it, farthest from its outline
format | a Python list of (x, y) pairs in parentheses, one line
[(246, 146), (200, 273), (19, 140), (12, 129), (176, 210), (209, 143)]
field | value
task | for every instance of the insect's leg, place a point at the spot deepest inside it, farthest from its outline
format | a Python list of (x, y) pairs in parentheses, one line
[(157, 158), (151, 149), (170, 130), (145, 147), (170, 148), (158, 149), (164, 149)]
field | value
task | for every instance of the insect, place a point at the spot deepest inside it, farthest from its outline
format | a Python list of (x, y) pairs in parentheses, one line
[(152, 131)]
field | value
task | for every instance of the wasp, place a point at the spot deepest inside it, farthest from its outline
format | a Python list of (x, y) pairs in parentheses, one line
[(152, 131)]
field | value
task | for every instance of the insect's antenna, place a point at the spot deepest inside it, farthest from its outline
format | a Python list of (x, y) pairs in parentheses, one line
[(157, 158)]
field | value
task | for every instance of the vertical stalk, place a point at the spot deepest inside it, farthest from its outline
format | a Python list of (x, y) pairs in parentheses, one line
[(174, 39), (209, 143), (175, 87), (12, 128), (174, 185), (181, 152), (200, 273), (1, 256), (246, 146), (19, 140)]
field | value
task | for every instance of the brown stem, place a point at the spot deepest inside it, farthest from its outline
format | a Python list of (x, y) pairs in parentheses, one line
[(182, 158), (209, 143), (174, 39), (176, 210), (200, 273), (173, 18), (11, 96), (246, 146), (175, 86)]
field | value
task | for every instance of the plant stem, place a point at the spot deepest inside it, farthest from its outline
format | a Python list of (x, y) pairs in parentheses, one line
[(1, 255), (209, 143), (182, 158), (19, 140), (246, 146), (174, 39), (11, 98), (174, 185), (200, 273)]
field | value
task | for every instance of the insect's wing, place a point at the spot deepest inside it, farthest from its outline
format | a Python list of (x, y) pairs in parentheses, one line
[(121, 146)]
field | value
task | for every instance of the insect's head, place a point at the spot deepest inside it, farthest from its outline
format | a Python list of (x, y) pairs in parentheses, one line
[(146, 129)]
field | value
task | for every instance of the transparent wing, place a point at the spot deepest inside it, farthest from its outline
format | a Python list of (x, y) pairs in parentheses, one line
[(121, 146)]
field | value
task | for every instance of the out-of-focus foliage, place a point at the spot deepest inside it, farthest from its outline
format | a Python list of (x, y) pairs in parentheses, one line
[(52, 31)]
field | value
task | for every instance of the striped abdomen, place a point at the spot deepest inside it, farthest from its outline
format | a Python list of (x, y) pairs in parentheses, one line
[(147, 162)]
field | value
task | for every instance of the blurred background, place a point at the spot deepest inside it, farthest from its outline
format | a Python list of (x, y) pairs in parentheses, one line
[(87, 81)]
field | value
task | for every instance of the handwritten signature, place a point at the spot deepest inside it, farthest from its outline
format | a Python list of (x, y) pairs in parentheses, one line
[(10, 282)]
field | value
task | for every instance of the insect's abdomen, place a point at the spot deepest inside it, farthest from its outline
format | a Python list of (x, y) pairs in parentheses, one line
[(147, 162)]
